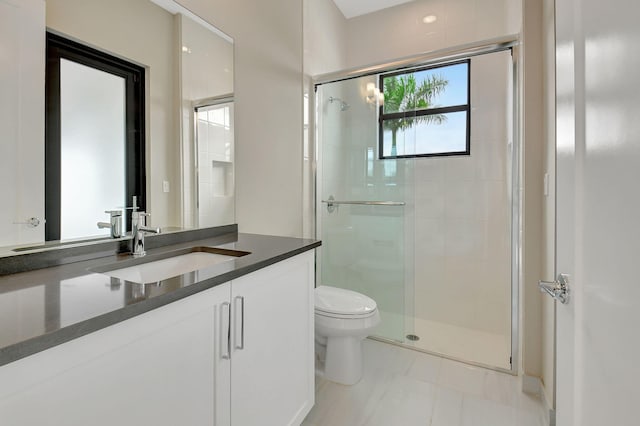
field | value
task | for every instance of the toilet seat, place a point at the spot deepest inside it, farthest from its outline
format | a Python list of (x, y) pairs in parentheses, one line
[(335, 302), (345, 316)]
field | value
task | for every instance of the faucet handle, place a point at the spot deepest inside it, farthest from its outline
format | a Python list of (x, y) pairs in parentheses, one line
[(114, 213), (134, 207)]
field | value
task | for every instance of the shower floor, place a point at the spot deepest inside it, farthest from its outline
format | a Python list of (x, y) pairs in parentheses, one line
[(465, 344)]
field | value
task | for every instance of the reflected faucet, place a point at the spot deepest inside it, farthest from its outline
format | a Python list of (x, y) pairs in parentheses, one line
[(115, 224), (138, 229)]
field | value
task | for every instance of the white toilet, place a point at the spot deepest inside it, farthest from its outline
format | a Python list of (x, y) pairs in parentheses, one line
[(343, 318)]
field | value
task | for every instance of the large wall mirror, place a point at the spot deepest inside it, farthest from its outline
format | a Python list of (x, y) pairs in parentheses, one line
[(186, 172)]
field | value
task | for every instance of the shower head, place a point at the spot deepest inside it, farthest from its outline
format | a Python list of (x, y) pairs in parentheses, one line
[(343, 105)]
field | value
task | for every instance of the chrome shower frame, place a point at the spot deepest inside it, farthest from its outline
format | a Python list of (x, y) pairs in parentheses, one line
[(510, 42)]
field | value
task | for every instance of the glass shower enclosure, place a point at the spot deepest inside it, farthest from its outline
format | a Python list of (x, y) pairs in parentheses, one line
[(430, 239)]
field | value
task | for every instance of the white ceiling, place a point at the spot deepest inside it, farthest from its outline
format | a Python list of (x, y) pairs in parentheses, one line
[(352, 8)]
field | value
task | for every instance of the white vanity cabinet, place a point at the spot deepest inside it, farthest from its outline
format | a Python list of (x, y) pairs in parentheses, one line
[(240, 353), (272, 368), (157, 368)]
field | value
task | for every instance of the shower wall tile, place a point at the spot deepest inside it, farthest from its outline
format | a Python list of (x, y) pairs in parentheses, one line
[(430, 240), (491, 160), (428, 170), (487, 124), (462, 199), (461, 168), (429, 201)]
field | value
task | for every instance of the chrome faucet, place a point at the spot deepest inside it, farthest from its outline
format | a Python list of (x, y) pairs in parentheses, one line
[(115, 224), (138, 229)]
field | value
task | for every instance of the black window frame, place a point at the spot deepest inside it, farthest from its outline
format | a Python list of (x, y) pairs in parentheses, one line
[(427, 111), (57, 48)]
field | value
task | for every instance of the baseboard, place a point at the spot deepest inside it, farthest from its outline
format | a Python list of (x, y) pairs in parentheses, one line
[(533, 385), (551, 417), (549, 411)]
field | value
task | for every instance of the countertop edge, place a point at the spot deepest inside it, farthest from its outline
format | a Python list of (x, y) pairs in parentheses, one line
[(31, 346)]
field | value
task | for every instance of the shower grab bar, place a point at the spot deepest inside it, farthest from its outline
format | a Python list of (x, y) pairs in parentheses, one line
[(366, 203)]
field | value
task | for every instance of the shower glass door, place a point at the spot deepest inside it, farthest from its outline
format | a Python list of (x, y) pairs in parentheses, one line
[(366, 229)]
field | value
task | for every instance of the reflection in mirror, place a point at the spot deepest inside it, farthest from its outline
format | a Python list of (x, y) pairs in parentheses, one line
[(214, 144), (207, 127), (186, 60), (94, 140)]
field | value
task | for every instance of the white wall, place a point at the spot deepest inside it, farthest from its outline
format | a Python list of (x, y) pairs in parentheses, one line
[(325, 32), (22, 65), (325, 37), (399, 31), (116, 28), (534, 146)]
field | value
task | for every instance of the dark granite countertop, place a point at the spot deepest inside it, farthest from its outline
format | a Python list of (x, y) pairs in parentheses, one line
[(43, 308)]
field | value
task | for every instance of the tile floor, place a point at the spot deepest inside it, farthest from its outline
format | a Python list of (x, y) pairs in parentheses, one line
[(402, 387)]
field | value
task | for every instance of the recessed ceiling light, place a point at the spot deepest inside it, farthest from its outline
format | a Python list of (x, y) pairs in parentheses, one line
[(429, 19)]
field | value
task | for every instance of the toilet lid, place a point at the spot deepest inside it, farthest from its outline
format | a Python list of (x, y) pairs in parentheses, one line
[(334, 300)]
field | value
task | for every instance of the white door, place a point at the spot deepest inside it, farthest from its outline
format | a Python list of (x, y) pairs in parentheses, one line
[(22, 48), (598, 211)]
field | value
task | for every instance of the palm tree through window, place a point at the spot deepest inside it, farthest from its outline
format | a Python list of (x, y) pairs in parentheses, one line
[(425, 112)]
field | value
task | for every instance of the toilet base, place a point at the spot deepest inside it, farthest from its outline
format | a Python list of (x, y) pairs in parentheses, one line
[(343, 360)]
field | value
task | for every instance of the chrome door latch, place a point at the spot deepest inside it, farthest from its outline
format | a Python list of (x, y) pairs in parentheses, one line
[(558, 289)]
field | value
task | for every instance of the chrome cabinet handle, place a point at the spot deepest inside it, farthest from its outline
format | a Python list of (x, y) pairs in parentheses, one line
[(225, 335), (235, 304), (558, 289)]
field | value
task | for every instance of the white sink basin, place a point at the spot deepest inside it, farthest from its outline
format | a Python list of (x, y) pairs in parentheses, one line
[(171, 266)]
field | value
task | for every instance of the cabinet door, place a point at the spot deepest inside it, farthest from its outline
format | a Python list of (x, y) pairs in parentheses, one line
[(158, 368), (272, 366)]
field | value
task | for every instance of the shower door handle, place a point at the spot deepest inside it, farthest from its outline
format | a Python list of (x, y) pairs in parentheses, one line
[(332, 203), (558, 289)]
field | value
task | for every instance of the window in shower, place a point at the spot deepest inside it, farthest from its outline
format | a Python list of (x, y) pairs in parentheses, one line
[(425, 112)]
